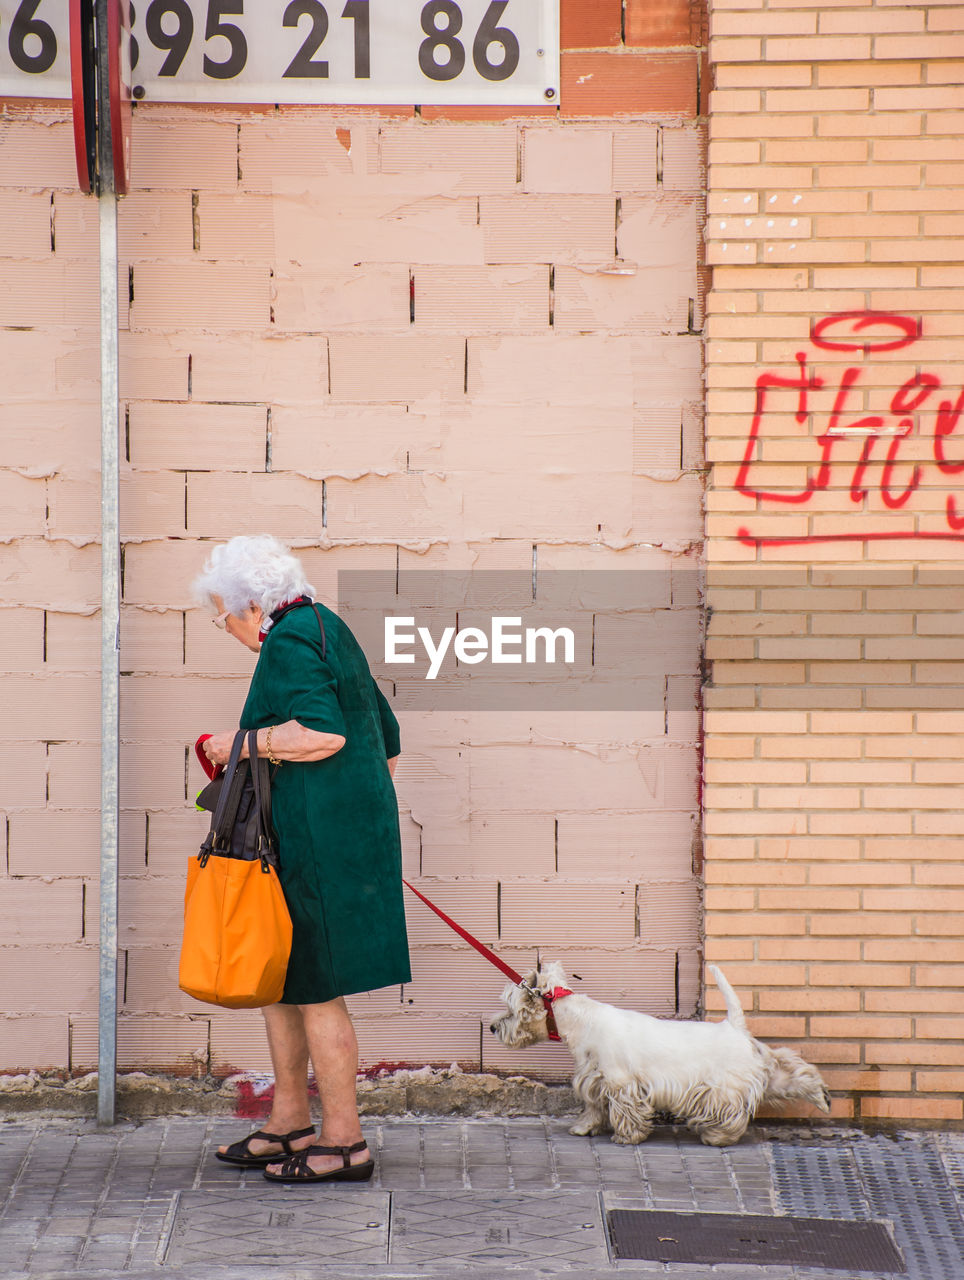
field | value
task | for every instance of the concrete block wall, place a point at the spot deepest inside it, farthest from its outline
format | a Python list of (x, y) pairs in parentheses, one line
[(413, 338), (833, 718)]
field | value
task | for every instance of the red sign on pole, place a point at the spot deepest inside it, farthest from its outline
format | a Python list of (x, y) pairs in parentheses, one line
[(100, 77), (83, 92), (118, 91)]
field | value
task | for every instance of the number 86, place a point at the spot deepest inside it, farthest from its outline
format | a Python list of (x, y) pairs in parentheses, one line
[(445, 38)]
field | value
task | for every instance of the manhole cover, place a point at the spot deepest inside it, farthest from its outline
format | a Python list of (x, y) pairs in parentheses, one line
[(732, 1237), (469, 1228), (261, 1227)]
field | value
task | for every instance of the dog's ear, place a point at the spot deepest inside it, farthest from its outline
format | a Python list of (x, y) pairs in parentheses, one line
[(549, 976)]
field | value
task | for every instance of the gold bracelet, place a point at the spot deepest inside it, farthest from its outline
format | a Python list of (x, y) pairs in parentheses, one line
[(267, 746)]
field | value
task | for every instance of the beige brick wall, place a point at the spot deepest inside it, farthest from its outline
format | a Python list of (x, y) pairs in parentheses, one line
[(832, 762), (541, 403)]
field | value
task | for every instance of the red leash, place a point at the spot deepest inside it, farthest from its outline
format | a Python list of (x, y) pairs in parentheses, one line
[(492, 958)]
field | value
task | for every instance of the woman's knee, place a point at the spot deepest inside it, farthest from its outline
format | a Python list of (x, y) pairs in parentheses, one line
[(326, 1008)]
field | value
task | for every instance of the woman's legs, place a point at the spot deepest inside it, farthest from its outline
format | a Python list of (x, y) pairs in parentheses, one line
[(289, 1057), (333, 1046)]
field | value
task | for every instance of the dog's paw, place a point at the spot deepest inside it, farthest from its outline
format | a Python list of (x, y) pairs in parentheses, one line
[(718, 1139), (632, 1139), (584, 1128)]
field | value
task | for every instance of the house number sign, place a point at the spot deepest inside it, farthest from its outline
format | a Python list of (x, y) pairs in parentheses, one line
[(500, 52)]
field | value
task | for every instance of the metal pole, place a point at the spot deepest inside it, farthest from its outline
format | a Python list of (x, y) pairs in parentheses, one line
[(110, 662)]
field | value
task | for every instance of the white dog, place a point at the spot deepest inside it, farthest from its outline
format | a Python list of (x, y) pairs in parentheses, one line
[(631, 1068)]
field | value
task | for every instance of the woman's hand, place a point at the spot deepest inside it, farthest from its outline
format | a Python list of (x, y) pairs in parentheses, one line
[(217, 748)]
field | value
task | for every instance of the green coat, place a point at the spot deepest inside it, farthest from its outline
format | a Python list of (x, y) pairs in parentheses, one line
[(336, 819)]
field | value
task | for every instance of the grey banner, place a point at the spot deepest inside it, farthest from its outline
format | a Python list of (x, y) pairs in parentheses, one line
[(487, 640)]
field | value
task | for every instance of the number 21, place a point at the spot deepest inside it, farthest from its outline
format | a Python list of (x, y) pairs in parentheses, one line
[(302, 64)]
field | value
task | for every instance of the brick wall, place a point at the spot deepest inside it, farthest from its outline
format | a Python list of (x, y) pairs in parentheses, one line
[(832, 767), (541, 400)]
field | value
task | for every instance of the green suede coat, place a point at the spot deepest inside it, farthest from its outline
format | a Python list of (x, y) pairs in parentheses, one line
[(336, 819)]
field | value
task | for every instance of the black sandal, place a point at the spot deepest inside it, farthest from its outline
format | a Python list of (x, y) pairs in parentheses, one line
[(239, 1153), (297, 1169)]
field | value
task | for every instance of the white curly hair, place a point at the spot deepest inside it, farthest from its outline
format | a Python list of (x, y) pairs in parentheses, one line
[(252, 570)]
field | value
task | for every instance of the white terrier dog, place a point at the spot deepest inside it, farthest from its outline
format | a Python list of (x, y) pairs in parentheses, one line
[(630, 1068)]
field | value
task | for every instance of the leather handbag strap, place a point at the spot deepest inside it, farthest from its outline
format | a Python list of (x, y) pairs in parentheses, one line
[(262, 789), (324, 638), (229, 797), (297, 604)]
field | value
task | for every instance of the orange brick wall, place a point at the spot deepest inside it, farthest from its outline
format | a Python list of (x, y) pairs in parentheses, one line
[(272, 377), (834, 883)]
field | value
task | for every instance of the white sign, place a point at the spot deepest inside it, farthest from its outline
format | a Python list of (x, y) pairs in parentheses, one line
[(503, 52), (34, 49)]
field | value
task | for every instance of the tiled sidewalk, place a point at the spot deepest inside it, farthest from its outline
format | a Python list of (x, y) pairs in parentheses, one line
[(482, 1197)]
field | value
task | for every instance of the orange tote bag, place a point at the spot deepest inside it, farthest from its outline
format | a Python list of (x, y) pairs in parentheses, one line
[(237, 930)]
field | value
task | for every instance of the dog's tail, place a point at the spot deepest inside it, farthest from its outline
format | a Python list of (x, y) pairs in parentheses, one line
[(734, 1010)]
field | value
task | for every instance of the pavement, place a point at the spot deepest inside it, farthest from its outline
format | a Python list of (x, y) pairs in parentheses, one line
[(486, 1198)]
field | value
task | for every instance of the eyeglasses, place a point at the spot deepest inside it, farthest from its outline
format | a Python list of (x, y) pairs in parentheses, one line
[(221, 621)]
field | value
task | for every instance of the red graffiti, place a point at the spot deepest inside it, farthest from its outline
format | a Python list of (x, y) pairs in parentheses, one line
[(907, 330), (883, 433)]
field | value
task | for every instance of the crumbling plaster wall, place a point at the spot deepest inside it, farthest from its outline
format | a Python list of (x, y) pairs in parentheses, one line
[(395, 338)]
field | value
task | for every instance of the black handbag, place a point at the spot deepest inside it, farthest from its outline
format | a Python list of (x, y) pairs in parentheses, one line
[(240, 803)]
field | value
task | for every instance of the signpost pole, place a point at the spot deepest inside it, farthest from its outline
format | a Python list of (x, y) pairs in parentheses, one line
[(110, 663), (112, 22)]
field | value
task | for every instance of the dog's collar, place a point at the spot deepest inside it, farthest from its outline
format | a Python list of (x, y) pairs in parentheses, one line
[(556, 993)]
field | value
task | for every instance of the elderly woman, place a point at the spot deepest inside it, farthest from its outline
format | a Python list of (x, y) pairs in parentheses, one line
[(322, 720)]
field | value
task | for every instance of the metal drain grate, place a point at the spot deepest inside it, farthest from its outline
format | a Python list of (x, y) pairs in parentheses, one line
[(951, 1151), (729, 1237), (898, 1176), (906, 1182), (819, 1182)]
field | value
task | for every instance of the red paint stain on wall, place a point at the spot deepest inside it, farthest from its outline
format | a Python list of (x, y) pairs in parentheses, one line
[(255, 1098)]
